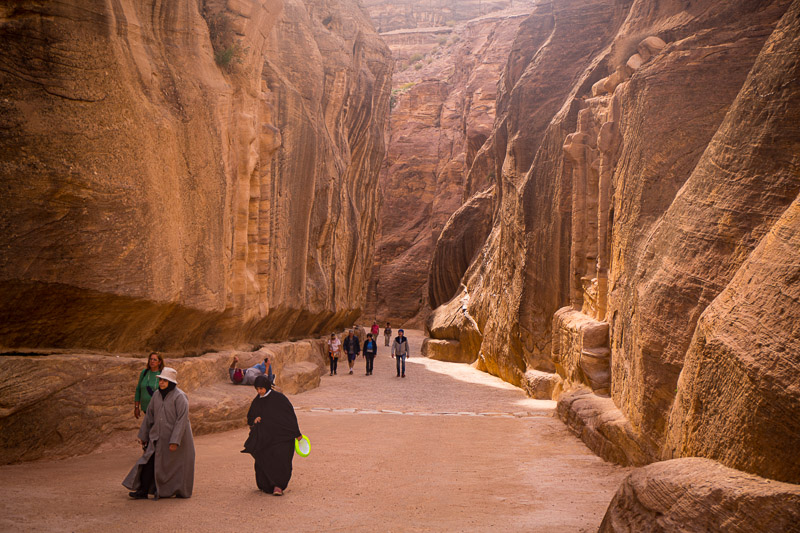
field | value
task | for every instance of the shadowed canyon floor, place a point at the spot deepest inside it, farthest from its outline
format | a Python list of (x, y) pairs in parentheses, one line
[(446, 449)]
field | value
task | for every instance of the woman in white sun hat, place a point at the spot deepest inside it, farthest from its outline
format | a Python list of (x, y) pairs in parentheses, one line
[(167, 466)]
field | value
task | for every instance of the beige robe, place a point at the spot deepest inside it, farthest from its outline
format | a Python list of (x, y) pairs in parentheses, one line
[(167, 422)]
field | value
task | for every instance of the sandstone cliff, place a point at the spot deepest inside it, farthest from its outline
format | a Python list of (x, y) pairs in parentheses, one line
[(647, 184), (160, 194), (444, 108), (406, 14)]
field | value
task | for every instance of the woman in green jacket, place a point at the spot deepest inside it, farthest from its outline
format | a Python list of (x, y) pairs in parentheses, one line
[(148, 383)]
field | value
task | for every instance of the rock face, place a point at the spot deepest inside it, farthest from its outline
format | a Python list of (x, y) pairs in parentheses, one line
[(444, 110), (157, 198), (60, 405), (405, 14), (696, 495), (644, 229)]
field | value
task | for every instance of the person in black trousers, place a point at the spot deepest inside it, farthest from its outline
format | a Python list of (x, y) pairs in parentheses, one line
[(370, 351)]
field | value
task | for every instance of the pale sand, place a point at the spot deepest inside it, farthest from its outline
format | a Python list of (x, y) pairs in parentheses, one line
[(468, 452)]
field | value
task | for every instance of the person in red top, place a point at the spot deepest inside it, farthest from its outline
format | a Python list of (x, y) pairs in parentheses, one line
[(375, 329)]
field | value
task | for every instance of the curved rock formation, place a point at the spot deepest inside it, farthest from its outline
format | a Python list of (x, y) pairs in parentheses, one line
[(443, 113), (648, 179), (160, 194), (678, 496)]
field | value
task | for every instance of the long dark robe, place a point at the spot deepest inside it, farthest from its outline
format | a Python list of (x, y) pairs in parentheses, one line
[(271, 441)]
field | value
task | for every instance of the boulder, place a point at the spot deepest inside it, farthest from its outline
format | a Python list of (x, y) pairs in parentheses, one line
[(542, 385), (649, 47), (700, 495), (598, 422)]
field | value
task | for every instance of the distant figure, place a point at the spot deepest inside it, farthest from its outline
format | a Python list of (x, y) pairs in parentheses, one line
[(241, 376), (166, 468), (400, 351), (352, 347), (370, 351), (334, 350), (387, 333), (273, 429), (375, 329), (148, 384)]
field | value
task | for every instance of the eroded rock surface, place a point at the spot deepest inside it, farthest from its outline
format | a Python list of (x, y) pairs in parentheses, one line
[(647, 177), (697, 495), (67, 404), (154, 198), (444, 111)]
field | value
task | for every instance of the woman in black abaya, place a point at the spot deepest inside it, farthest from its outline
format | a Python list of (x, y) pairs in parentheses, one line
[(273, 430)]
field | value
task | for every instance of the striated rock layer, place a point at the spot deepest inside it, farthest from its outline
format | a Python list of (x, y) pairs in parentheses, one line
[(444, 108), (405, 14), (60, 405), (644, 234), (698, 495), (157, 198)]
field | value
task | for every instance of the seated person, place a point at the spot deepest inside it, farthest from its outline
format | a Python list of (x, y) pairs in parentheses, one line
[(248, 376)]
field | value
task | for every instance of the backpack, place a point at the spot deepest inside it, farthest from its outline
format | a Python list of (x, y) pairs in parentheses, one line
[(238, 375)]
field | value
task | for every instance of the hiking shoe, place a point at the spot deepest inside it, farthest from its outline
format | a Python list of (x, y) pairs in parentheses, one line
[(136, 495), (351, 371), (277, 492), (403, 375)]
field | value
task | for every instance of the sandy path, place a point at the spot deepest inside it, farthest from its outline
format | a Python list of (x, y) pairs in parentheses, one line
[(458, 450)]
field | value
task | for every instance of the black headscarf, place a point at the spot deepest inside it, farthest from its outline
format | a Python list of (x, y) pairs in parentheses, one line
[(262, 381), (164, 392)]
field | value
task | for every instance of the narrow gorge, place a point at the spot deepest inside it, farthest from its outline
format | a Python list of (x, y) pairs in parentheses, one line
[(595, 201)]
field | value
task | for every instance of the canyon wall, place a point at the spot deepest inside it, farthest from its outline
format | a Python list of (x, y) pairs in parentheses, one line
[(406, 14), (641, 263), (186, 175), (443, 111)]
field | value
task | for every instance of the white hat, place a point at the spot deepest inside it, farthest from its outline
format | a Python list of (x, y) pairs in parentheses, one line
[(170, 374)]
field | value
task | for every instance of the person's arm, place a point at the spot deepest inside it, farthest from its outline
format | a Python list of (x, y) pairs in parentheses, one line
[(181, 420), (137, 396), (147, 423)]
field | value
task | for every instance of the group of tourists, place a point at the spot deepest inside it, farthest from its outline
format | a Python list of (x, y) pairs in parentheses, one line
[(166, 467), (352, 347)]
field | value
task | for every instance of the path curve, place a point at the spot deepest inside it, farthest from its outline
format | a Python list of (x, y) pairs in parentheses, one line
[(448, 448)]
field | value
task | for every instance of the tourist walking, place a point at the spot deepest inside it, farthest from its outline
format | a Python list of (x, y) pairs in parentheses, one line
[(352, 347), (387, 334), (375, 329), (334, 350), (166, 468), (370, 351), (400, 351), (273, 430), (148, 384)]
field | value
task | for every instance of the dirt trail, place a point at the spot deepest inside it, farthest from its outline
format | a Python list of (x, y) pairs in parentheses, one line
[(447, 448)]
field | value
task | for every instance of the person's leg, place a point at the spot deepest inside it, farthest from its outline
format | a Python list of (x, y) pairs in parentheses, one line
[(397, 359), (335, 365), (331, 358), (351, 361), (404, 366), (147, 479)]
